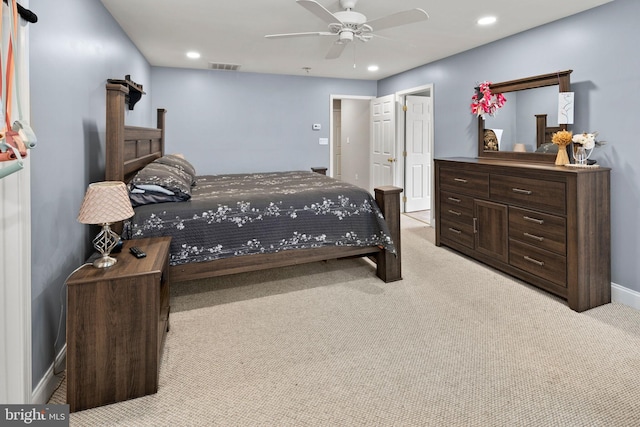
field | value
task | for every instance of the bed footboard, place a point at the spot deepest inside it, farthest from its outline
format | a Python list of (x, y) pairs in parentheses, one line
[(389, 266)]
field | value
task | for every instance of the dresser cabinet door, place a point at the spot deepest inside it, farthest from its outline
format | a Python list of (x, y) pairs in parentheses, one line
[(491, 229)]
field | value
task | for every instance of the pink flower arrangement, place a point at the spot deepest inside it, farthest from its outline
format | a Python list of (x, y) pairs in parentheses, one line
[(484, 102)]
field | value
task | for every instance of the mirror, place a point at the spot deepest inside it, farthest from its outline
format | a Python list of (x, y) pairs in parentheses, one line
[(526, 121)]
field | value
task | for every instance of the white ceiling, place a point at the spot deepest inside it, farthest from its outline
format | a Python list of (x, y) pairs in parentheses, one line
[(232, 32)]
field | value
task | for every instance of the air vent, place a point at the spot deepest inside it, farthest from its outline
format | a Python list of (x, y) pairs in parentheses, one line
[(226, 67)]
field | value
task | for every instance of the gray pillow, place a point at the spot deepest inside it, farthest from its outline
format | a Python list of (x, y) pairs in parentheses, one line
[(174, 185), (548, 147), (179, 163)]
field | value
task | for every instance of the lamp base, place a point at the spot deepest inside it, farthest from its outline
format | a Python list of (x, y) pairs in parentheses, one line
[(104, 242), (104, 262)]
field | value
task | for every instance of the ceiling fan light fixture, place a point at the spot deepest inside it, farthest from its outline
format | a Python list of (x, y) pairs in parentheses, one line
[(346, 36)]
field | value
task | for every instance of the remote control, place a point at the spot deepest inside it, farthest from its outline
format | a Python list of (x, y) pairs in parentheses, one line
[(137, 252)]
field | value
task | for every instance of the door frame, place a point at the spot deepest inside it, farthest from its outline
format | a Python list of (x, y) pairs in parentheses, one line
[(15, 264), (401, 141)]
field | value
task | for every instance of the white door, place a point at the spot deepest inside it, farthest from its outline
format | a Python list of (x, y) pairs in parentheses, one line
[(418, 159), (383, 142)]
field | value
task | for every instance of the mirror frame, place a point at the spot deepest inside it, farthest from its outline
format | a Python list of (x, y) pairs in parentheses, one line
[(559, 78)]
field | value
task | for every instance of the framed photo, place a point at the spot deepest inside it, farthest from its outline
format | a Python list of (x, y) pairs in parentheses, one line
[(492, 139)]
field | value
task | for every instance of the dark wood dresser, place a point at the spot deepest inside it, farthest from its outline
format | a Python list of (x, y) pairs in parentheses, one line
[(117, 320), (544, 224)]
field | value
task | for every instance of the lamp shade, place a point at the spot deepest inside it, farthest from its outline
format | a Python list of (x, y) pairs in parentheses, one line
[(105, 203)]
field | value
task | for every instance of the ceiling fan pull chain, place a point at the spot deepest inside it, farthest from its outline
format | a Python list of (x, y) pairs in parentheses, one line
[(354, 55)]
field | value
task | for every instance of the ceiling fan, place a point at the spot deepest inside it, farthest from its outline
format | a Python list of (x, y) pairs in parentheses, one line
[(348, 25)]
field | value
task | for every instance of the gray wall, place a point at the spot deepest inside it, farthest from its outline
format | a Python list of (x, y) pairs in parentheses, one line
[(226, 121), (600, 45), (74, 47)]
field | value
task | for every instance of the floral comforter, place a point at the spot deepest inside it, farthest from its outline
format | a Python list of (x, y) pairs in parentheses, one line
[(241, 214)]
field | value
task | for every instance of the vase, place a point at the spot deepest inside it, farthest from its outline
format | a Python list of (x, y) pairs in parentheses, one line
[(580, 154), (562, 158)]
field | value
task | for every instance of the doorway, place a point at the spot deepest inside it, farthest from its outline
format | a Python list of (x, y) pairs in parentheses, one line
[(349, 147), (414, 140)]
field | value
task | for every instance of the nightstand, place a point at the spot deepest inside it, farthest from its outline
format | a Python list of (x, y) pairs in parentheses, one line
[(117, 320)]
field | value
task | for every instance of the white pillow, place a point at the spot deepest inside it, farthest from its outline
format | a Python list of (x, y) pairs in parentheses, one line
[(156, 188)]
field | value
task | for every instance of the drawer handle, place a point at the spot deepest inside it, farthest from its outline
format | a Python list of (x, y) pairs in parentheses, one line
[(533, 236), (451, 211), (464, 181), (537, 221), (521, 191), (535, 261), (455, 231), (453, 199), (475, 225)]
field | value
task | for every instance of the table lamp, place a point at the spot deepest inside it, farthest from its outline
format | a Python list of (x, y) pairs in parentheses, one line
[(105, 203)]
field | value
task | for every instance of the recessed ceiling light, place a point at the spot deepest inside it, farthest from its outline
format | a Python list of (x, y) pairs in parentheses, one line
[(193, 55), (373, 68), (487, 20)]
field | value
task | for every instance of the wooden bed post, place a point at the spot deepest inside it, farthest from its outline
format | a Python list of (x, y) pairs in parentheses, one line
[(389, 265), (161, 125), (114, 158)]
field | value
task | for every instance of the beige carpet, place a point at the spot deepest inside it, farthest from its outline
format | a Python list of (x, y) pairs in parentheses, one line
[(453, 344)]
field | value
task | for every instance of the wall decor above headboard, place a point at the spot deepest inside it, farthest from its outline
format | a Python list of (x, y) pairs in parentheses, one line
[(135, 90)]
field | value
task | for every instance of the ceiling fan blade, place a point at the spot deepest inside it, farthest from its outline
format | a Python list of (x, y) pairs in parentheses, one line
[(397, 19), (320, 11), (287, 35), (336, 50), (396, 40)]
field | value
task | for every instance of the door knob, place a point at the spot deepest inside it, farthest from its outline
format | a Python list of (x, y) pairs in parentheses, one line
[(391, 160)]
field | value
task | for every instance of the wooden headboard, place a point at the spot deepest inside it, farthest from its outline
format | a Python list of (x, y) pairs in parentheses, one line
[(129, 148), (544, 132)]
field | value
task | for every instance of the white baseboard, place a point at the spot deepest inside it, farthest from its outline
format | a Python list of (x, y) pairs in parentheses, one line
[(625, 296), (48, 384)]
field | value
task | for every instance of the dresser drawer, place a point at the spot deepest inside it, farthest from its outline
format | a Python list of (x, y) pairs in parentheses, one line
[(465, 182), (455, 207), (545, 264), (538, 229), (457, 232), (549, 196)]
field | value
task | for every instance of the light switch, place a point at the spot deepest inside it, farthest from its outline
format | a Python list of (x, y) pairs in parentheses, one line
[(324, 141)]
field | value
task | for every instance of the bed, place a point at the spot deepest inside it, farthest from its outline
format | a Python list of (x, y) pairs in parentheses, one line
[(129, 149)]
